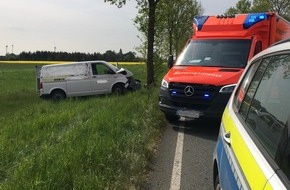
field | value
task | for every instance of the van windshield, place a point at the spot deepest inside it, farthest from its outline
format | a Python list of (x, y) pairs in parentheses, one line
[(215, 53)]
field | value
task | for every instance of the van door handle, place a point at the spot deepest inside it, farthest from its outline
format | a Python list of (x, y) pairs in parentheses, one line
[(227, 138)]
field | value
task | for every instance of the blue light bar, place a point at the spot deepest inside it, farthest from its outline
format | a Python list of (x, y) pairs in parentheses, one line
[(254, 18), (199, 21)]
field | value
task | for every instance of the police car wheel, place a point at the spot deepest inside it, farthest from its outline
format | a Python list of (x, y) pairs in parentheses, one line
[(217, 185)]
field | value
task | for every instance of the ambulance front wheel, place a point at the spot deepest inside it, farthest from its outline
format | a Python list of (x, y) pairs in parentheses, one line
[(172, 118)]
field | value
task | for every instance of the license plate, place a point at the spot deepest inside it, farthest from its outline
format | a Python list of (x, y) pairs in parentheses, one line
[(188, 113)]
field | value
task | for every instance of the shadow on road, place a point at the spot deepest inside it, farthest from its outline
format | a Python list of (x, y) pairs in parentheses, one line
[(204, 128)]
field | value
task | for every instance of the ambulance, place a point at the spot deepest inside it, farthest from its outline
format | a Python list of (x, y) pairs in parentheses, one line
[(201, 80)]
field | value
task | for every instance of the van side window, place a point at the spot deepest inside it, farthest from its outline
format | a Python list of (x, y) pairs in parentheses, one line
[(101, 69), (94, 69), (258, 47), (268, 106)]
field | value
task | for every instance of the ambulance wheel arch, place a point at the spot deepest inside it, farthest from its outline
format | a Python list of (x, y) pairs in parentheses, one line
[(58, 94), (171, 118)]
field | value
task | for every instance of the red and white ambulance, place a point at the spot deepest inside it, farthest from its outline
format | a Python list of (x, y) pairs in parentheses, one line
[(205, 73)]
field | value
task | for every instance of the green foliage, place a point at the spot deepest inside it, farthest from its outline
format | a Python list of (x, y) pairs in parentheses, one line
[(281, 7), (151, 5), (103, 142), (242, 6), (119, 3), (173, 25), (261, 6)]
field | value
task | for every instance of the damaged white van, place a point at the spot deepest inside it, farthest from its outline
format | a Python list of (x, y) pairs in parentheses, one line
[(58, 81)]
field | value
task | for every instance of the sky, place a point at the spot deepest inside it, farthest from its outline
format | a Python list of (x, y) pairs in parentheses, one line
[(86, 26)]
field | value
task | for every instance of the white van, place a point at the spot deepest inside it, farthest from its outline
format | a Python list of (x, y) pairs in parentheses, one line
[(58, 81)]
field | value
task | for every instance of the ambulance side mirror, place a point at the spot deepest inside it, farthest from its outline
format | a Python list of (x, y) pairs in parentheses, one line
[(170, 61)]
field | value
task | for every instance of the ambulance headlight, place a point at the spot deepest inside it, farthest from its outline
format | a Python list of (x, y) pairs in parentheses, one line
[(164, 83), (228, 88)]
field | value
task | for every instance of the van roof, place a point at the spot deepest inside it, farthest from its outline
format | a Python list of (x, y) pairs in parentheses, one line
[(73, 63)]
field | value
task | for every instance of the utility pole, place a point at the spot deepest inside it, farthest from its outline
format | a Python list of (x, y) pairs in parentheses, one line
[(12, 48), (6, 49)]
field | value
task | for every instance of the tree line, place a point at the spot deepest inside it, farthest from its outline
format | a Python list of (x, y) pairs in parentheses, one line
[(74, 56)]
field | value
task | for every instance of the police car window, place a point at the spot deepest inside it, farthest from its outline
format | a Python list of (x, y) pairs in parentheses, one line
[(240, 93), (269, 114), (250, 90)]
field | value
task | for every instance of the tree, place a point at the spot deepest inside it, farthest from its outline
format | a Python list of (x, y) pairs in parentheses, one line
[(260, 6), (174, 20), (281, 7), (173, 27), (242, 6), (120, 55), (151, 4)]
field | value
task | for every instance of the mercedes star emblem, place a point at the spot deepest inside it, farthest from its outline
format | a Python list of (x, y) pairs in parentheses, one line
[(188, 90)]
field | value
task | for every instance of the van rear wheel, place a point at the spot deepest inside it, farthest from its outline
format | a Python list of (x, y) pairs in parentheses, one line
[(58, 95)]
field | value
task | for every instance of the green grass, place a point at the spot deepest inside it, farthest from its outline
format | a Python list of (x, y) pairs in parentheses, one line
[(100, 142)]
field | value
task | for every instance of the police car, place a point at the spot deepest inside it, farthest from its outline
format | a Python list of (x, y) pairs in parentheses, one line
[(253, 146)]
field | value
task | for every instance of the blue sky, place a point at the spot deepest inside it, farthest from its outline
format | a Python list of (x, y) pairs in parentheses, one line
[(75, 25)]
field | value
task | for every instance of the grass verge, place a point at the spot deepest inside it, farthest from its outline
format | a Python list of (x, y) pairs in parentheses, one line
[(102, 142)]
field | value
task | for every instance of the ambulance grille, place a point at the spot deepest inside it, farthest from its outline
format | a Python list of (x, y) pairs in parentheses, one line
[(199, 93)]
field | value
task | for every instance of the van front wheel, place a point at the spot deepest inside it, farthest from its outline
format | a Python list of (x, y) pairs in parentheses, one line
[(58, 95), (118, 89)]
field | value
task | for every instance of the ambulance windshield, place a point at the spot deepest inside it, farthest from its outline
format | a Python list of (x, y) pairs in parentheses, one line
[(215, 53)]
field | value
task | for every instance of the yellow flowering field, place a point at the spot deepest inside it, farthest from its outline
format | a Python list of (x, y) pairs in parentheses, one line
[(56, 62)]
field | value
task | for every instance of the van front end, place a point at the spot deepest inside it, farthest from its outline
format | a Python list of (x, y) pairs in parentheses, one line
[(203, 77), (190, 100)]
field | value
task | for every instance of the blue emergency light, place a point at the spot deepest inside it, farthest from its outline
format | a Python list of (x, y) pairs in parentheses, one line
[(254, 18), (173, 92), (199, 21), (206, 95)]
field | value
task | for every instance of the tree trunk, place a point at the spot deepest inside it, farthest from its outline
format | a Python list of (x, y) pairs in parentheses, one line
[(150, 53)]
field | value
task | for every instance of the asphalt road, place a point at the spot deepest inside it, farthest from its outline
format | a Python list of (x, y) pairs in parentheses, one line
[(184, 158)]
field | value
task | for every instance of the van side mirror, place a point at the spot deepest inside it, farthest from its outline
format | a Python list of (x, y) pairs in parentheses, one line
[(170, 61)]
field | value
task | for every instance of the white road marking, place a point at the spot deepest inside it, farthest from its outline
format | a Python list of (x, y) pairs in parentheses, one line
[(176, 171)]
